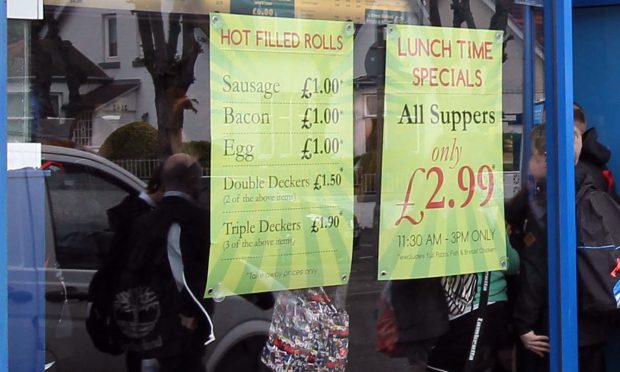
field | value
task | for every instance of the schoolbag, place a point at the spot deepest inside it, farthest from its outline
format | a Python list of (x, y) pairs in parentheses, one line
[(135, 300), (100, 291), (598, 251), (99, 317)]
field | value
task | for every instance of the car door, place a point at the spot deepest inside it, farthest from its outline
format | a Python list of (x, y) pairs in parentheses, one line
[(79, 196)]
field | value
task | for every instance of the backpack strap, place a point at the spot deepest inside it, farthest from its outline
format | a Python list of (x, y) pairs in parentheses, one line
[(175, 259), (482, 310)]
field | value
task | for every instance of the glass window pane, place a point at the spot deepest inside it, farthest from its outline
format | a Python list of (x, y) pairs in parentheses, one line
[(349, 143), (79, 201), (112, 37)]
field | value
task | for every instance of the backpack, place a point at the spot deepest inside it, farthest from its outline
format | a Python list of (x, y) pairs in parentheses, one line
[(99, 317), (100, 291), (598, 251), (134, 298)]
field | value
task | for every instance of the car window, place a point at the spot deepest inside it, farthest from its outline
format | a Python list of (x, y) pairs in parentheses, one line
[(79, 199)]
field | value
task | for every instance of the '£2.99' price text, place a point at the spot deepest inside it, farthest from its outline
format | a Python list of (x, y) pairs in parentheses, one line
[(468, 182)]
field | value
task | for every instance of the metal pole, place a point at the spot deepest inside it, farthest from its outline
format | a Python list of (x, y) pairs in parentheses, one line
[(4, 348), (560, 185), (528, 87)]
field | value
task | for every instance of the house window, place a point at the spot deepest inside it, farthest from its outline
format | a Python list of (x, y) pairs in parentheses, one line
[(110, 35), (56, 101), (139, 40), (83, 132)]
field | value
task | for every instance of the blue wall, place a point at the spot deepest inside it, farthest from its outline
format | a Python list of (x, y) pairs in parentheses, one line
[(596, 43)]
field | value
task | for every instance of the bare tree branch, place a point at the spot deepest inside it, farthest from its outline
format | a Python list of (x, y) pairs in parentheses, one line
[(171, 76), (499, 21), (159, 38), (144, 28), (191, 50), (462, 13), (174, 28), (434, 16)]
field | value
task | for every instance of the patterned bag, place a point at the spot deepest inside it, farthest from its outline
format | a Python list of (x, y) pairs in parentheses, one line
[(460, 291), (307, 333)]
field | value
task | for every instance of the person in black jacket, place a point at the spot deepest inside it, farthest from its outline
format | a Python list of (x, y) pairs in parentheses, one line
[(121, 219), (527, 217), (181, 225), (122, 216), (594, 155)]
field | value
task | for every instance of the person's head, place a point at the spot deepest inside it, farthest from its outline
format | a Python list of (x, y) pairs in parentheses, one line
[(579, 117), (181, 172), (538, 160)]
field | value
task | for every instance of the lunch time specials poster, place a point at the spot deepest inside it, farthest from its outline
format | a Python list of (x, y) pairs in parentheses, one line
[(441, 180)]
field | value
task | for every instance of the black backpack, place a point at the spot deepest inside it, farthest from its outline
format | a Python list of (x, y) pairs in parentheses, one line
[(134, 298), (99, 319), (598, 251)]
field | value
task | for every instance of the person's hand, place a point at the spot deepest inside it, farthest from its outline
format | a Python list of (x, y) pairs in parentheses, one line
[(538, 345), (189, 322)]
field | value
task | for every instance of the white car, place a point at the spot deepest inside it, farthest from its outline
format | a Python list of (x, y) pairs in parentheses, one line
[(79, 188)]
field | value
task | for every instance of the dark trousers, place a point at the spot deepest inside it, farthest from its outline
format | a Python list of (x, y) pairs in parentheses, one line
[(133, 362), (592, 358), (530, 362), (185, 363), (452, 350)]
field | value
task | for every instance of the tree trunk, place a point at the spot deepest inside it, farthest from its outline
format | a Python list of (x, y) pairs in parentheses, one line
[(434, 16), (168, 104), (172, 71)]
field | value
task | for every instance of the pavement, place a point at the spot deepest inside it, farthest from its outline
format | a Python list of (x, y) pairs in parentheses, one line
[(362, 303)]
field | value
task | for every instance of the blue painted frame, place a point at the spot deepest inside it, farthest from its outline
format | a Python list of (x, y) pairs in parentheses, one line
[(4, 357), (560, 185), (561, 193), (528, 87)]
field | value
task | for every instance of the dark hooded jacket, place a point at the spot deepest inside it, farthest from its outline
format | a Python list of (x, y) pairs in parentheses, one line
[(526, 214), (531, 312), (593, 162)]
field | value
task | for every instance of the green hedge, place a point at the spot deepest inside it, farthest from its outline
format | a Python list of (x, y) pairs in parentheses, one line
[(137, 140)]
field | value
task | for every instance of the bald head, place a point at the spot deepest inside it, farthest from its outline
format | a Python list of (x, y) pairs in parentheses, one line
[(179, 159), (182, 173)]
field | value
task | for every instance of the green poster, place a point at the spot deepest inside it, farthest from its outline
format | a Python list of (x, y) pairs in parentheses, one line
[(282, 154), (442, 181)]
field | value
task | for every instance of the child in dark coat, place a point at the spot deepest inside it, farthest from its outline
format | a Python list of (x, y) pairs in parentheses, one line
[(527, 216)]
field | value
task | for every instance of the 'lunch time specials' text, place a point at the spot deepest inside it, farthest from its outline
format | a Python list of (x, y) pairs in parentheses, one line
[(442, 211), (282, 177)]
